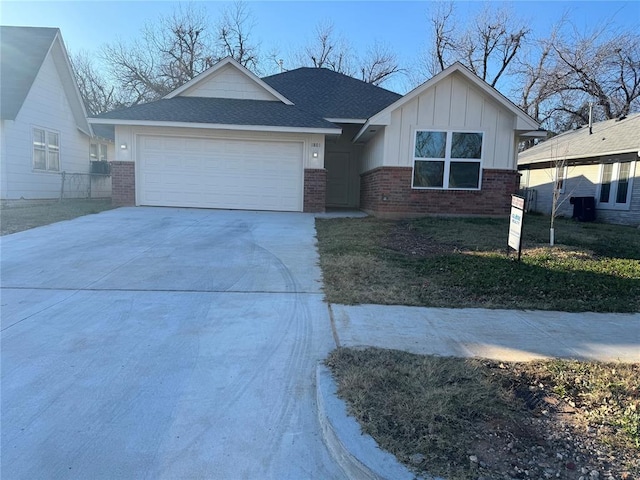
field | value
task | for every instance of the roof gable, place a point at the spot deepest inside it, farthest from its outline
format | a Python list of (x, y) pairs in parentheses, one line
[(610, 137), (23, 51), (332, 95), (524, 122), (228, 79)]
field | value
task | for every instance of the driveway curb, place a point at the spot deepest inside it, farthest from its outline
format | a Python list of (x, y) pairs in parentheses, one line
[(357, 453)]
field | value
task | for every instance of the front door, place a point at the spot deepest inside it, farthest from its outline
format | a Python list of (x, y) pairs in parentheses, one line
[(338, 166)]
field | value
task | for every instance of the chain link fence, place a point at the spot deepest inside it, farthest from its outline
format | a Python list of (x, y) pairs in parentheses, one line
[(96, 184)]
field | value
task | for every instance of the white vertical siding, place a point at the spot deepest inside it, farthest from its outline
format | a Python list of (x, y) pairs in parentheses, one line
[(453, 103), (373, 152), (46, 107), (228, 82)]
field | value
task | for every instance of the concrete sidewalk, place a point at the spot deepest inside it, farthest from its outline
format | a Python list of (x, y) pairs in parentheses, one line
[(509, 335)]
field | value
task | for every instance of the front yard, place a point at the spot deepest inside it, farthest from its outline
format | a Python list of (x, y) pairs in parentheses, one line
[(474, 418), (462, 262), (18, 216)]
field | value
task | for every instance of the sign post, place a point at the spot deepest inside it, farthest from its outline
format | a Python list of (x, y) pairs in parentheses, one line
[(515, 224)]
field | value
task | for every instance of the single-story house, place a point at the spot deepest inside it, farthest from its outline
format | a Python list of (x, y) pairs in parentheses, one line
[(43, 123), (599, 162), (311, 138)]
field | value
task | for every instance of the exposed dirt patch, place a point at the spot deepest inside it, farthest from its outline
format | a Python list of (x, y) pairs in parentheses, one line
[(472, 419), (405, 239)]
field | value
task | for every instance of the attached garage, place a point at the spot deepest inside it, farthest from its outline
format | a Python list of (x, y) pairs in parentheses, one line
[(222, 173)]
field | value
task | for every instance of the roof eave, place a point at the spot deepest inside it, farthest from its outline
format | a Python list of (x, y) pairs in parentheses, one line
[(578, 157), (359, 121), (217, 126)]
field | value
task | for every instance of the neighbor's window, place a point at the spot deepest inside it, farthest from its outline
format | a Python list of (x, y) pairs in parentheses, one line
[(446, 159), (46, 150), (98, 152), (615, 185)]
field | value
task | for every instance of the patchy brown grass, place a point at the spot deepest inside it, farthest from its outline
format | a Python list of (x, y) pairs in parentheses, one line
[(462, 262), (19, 216), (474, 418)]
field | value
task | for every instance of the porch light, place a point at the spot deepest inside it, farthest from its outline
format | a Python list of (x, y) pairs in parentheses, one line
[(315, 154), (123, 146)]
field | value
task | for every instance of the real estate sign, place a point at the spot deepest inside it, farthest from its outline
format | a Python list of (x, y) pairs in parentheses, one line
[(515, 224)]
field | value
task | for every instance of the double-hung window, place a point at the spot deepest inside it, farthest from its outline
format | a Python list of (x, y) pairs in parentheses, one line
[(98, 152), (46, 150), (615, 185), (447, 160)]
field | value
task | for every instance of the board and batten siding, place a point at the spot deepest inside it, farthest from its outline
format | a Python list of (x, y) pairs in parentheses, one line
[(451, 104), (228, 82), (373, 152), (46, 107)]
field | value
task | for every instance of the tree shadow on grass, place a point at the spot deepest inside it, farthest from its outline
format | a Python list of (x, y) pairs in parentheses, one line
[(496, 281)]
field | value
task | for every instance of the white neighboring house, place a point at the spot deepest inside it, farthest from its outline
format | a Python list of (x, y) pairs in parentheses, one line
[(44, 133), (600, 162)]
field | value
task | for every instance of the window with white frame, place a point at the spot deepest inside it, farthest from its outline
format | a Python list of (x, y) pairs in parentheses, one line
[(447, 160), (46, 150), (616, 182), (98, 152)]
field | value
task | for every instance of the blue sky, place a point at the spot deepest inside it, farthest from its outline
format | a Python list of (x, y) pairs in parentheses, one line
[(286, 26)]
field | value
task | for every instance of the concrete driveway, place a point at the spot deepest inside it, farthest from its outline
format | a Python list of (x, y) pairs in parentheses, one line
[(163, 343)]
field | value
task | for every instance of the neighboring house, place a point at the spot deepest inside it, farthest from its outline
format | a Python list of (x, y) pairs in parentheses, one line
[(599, 162), (310, 138), (43, 126)]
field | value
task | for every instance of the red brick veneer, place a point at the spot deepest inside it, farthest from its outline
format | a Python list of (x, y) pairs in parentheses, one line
[(123, 183), (387, 192), (315, 189)]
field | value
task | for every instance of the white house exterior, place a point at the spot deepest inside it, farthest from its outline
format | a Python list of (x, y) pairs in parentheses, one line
[(43, 127), (601, 163)]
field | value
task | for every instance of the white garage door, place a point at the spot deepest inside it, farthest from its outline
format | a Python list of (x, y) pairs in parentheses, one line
[(220, 173)]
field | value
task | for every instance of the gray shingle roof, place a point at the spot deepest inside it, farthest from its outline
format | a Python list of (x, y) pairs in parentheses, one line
[(224, 111), (610, 136), (104, 131), (22, 52), (331, 94)]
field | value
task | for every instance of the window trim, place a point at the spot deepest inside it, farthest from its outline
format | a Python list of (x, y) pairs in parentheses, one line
[(613, 190), (47, 149), (447, 158), (99, 147)]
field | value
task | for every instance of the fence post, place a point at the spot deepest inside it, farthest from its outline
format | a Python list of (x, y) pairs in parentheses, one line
[(62, 185)]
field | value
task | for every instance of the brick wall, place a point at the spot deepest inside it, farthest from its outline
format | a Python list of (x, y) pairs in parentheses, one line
[(315, 189), (123, 183), (387, 192)]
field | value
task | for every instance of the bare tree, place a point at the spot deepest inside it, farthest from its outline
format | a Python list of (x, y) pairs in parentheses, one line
[(330, 50), (234, 33), (98, 95), (168, 54), (178, 47), (605, 69), (327, 50), (487, 46), (379, 64)]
